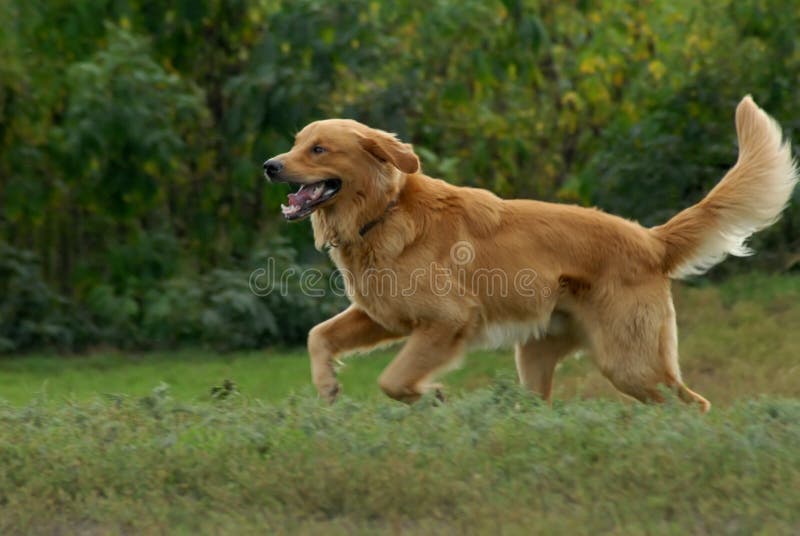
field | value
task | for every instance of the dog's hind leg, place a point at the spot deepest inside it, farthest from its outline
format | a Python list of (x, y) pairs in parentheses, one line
[(537, 359), (668, 354), (636, 348), (427, 351)]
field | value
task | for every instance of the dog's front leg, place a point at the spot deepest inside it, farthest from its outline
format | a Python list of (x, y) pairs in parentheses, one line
[(429, 350), (350, 330)]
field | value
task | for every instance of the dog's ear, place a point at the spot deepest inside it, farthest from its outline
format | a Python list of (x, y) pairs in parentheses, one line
[(387, 148)]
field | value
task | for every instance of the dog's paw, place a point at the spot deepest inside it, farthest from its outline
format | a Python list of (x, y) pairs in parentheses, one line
[(435, 391), (330, 392)]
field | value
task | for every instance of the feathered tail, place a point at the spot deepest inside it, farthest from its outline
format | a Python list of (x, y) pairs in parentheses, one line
[(750, 197)]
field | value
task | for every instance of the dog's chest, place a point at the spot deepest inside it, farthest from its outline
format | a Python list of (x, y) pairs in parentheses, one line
[(383, 290), (364, 276)]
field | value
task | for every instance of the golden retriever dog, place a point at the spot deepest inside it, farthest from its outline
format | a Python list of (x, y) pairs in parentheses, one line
[(449, 268)]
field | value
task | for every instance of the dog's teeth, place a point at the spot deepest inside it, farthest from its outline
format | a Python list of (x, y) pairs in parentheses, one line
[(291, 209)]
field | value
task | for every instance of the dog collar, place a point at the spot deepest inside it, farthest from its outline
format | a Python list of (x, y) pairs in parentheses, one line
[(370, 224)]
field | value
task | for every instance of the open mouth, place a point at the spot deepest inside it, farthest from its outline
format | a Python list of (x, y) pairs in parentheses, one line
[(305, 200)]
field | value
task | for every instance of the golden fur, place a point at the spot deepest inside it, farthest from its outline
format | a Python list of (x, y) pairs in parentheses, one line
[(591, 280)]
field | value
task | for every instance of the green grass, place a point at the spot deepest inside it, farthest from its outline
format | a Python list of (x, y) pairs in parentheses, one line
[(494, 459), (270, 375), (120, 443)]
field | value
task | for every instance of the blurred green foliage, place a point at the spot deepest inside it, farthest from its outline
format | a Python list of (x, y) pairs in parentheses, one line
[(132, 134)]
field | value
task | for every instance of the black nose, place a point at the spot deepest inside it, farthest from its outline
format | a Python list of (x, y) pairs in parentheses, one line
[(272, 167)]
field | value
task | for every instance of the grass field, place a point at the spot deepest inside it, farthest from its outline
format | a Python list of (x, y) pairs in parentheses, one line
[(119, 443)]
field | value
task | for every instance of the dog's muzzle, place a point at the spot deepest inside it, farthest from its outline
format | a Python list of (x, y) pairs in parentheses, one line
[(273, 168)]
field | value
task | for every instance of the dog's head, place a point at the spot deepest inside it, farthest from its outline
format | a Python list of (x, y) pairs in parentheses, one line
[(339, 162)]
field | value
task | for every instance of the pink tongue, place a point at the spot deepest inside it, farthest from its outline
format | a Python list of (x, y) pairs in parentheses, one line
[(300, 198)]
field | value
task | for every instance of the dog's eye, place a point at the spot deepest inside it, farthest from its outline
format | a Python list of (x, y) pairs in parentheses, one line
[(318, 149)]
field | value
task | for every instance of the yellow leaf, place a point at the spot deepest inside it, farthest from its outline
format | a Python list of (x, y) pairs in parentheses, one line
[(657, 69), (591, 64), (254, 15), (570, 98)]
